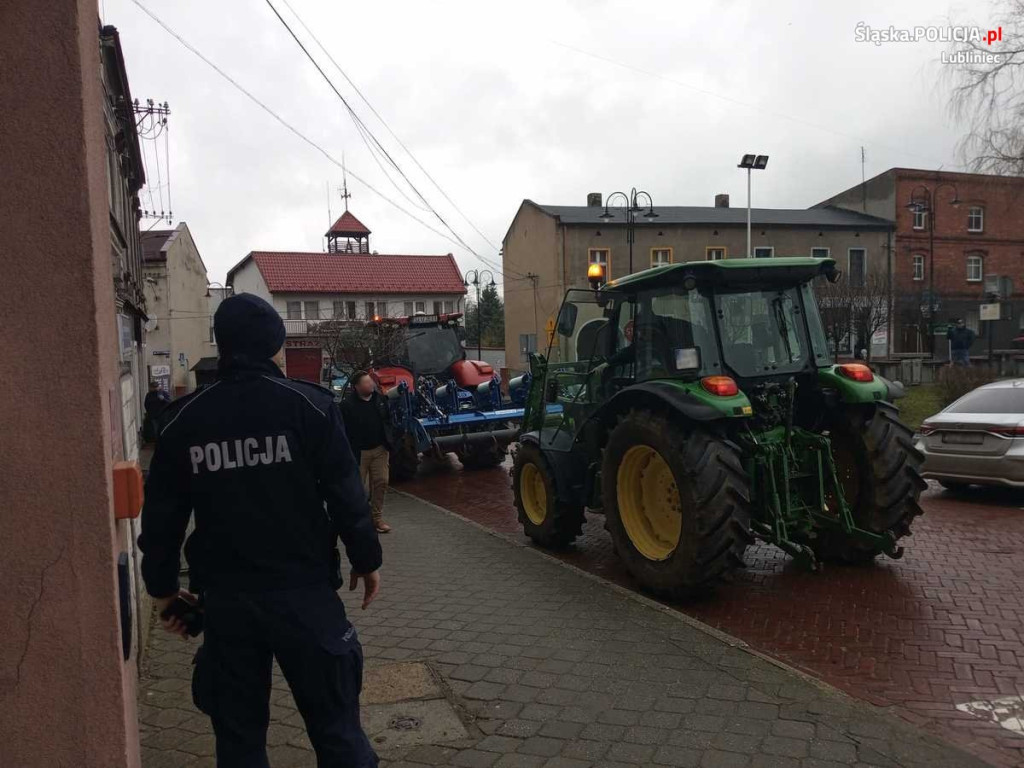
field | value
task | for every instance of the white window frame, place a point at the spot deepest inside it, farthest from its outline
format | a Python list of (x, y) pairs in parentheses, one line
[(849, 265), (828, 252), (662, 249), (981, 218), (407, 308), (305, 309), (980, 259), (918, 259), (293, 310), (715, 249), (920, 219), (606, 263), (449, 307), (420, 306), (769, 248)]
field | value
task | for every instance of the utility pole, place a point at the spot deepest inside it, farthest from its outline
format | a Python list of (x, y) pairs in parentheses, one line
[(632, 208)]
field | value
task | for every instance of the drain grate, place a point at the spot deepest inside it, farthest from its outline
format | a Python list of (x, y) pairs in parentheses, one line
[(405, 723)]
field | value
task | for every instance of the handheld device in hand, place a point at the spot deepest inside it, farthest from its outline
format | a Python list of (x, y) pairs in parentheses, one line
[(190, 614)]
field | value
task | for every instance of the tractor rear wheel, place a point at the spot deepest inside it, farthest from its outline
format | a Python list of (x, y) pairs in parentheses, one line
[(676, 502), (880, 472), (405, 459), (545, 518)]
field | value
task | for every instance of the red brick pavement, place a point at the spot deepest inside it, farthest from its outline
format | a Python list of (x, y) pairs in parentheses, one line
[(941, 627)]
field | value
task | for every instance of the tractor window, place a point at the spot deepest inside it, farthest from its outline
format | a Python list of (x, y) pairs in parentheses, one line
[(431, 349), (763, 332), (673, 335)]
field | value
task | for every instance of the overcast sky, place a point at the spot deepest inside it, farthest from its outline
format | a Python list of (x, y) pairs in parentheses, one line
[(542, 100)]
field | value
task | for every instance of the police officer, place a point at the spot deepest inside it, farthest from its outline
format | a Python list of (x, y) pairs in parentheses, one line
[(264, 464)]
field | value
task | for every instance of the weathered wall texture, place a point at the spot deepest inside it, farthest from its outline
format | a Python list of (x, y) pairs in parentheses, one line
[(66, 696)]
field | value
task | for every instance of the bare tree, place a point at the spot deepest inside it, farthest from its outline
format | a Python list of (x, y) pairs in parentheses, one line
[(853, 312), (987, 94), (352, 345)]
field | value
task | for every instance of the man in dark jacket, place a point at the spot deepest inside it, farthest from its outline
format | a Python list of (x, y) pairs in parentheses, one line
[(264, 464), (368, 424), (960, 340), (155, 404)]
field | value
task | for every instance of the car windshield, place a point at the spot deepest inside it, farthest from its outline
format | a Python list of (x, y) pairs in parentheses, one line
[(432, 349), (995, 400), (762, 332)]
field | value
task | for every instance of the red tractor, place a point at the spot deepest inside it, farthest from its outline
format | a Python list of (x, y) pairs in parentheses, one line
[(440, 401)]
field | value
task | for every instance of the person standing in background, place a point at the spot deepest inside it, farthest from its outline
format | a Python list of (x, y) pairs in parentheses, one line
[(155, 404), (368, 424), (960, 340)]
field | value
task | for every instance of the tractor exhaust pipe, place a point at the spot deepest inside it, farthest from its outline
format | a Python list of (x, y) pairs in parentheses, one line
[(449, 443)]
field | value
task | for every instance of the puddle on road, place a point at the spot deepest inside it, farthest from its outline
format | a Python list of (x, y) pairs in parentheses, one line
[(1007, 711)]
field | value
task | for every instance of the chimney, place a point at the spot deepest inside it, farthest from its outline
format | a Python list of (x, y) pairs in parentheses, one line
[(593, 200), (721, 201)]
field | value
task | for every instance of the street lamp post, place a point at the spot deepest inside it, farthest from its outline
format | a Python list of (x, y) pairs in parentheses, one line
[(632, 208), (751, 162), (928, 207), (478, 278)]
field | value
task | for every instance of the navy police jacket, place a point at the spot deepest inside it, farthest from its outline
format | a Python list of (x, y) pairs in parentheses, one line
[(264, 464)]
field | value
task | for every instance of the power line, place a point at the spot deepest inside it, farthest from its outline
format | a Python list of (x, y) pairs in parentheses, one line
[(386, 126), (188, 46), (391, 160)]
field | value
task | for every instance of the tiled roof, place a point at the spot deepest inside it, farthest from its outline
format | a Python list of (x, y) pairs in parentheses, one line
[(347, 224), (286, 272), (153, 243)]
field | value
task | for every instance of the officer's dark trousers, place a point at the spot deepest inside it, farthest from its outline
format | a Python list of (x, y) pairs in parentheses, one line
[(317, 649)]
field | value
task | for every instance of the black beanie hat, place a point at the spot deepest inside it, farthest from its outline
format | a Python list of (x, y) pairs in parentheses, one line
[(247, 325)]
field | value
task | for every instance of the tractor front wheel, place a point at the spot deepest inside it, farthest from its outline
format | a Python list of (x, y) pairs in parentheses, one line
[(545, 518), (879, 470), (676, 502)]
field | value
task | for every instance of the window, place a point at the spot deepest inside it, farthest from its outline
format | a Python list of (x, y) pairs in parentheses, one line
[(294, 309), (370, 310), (449, 307), (312, 310), (421, 306), (527, 343), (858, 266), (820, 253), (338, 309), (350, 310), (661, 256), (715, 254), (920, 218), (972, 321), (764, 253), (602, 256), (975, 268), (438, 307), (918, 266), (975, 218), (407, 308)]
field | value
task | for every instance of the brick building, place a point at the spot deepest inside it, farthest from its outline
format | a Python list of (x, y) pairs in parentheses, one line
[(951, 230)]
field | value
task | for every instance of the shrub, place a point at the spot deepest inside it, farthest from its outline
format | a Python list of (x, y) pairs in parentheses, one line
[(955, 381)]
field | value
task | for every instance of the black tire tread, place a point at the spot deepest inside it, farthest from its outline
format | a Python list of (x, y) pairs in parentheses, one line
[(720, 505), (564, 522)]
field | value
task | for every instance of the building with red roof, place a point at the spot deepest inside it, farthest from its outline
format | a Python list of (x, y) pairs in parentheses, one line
[(347, 282)]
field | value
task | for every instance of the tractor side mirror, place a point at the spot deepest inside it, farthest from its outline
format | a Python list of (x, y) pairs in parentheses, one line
[(551, 393), (567, 319)]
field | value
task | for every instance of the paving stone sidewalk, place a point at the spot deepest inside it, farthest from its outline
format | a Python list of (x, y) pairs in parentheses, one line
[(543, 667)]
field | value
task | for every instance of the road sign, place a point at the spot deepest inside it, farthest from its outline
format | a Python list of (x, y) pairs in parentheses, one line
[(941, 329), (989, 312)]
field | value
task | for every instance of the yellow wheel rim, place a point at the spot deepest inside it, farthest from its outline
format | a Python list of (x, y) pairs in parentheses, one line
[(648, 500), (533, 493)]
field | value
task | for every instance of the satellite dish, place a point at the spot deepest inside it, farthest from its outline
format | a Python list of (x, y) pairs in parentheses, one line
[(151, 324)]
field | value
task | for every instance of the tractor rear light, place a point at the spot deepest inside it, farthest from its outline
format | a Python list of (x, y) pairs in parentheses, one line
[(723, 386), (857, 372)]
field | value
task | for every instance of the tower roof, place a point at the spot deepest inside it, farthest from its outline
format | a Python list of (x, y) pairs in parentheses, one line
[(349, 225)]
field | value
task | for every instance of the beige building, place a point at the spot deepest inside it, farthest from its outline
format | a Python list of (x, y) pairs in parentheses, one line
[(178, 330), (552, 246)]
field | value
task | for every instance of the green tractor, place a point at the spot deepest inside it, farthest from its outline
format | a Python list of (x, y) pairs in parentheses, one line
[(698, 407)]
